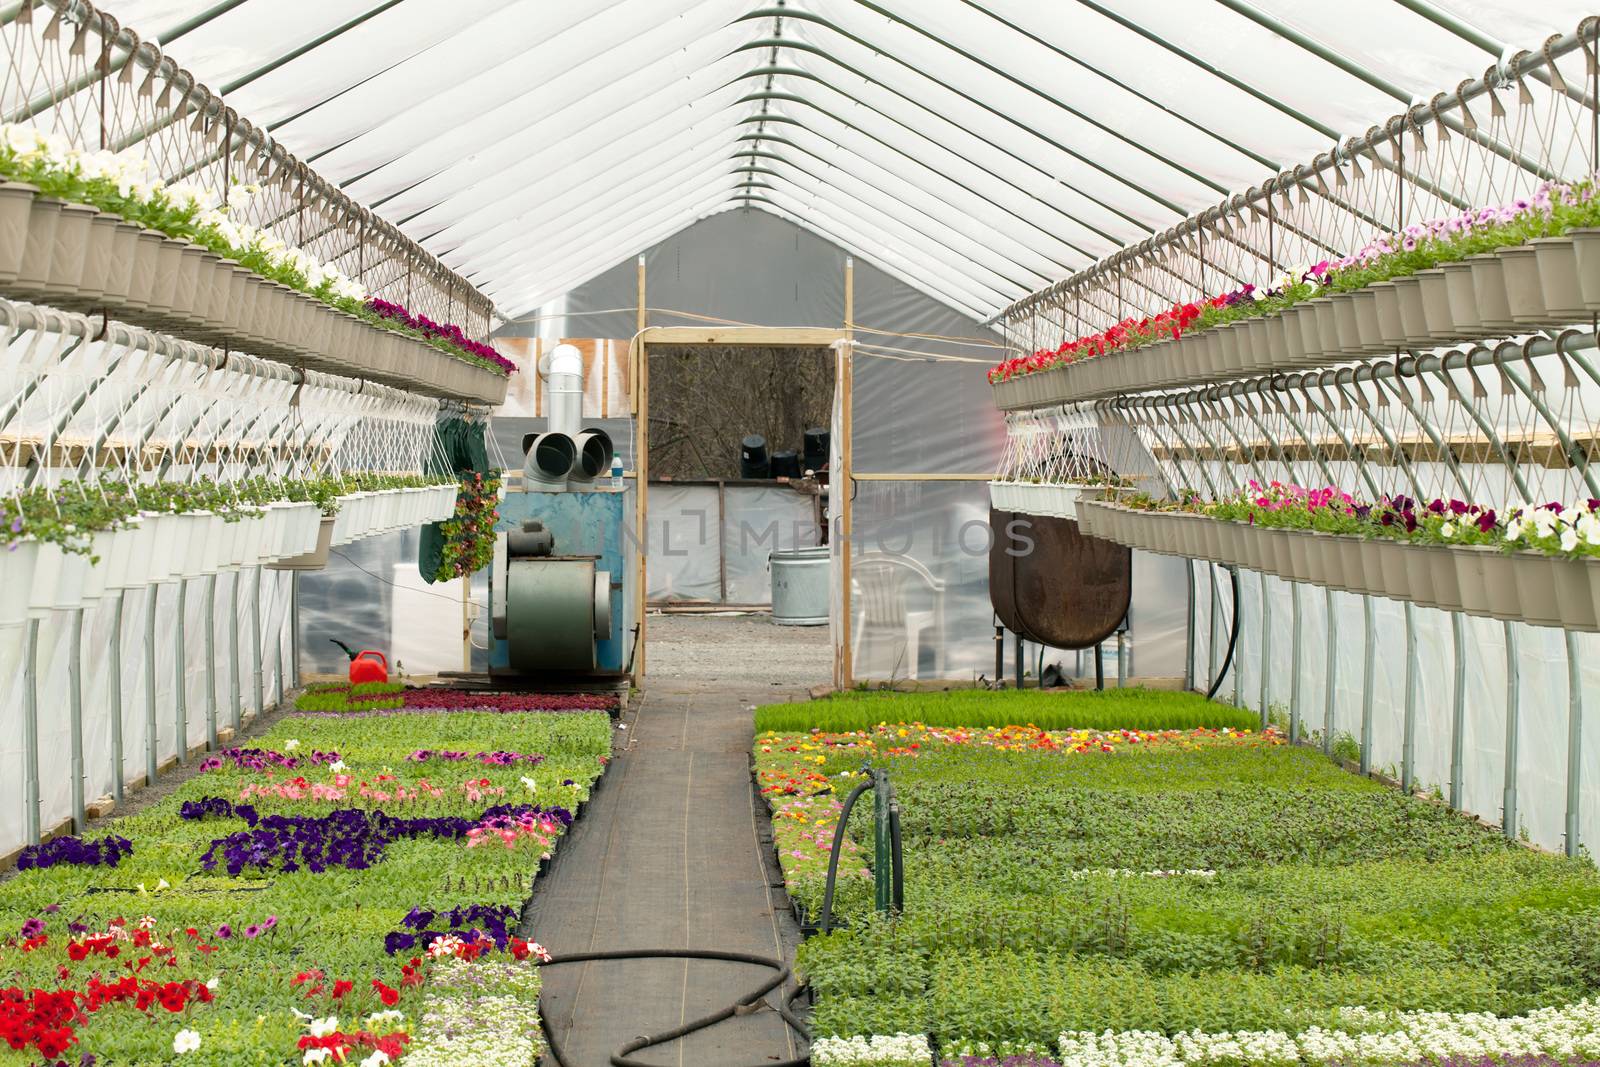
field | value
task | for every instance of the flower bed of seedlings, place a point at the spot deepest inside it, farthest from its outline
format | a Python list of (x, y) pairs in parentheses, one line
[(344, 698), (1135, 897), (328, 893)]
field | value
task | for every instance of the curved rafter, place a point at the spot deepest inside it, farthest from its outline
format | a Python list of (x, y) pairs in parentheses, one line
[(959, 134)]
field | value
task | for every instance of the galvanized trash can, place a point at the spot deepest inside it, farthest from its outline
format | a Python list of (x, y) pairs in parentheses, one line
[(800, 586)]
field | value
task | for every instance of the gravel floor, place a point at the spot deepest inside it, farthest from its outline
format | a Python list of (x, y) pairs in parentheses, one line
[(747, 649)]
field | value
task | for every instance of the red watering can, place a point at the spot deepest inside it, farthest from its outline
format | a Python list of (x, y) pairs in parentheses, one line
[(368, 665)]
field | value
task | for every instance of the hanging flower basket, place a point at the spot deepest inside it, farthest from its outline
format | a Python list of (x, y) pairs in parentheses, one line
[(203, 275), (1478, 275)]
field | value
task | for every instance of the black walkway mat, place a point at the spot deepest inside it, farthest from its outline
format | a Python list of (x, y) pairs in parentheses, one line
[(667, 855)]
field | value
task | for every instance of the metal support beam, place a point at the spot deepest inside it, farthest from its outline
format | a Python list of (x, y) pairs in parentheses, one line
[(1458, 713), (1508, 799), (32, 816), (211, 663), (1211, 628), (1368, 670), (1294, 669), (1188, 630), (1266, 653), (1573, 835), (294, 627), (180, 681), (1330, 672), (277, 645), (255, 645), (235, 692), (1408, 743), (75, 722), (152, 743), (115, 693)]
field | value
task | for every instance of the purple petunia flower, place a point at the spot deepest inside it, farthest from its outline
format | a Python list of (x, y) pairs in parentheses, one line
[(224, 932), (252, 931)]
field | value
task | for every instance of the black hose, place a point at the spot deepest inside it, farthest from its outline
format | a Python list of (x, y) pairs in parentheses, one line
[(1233, 637), (825, 921), (746, 1005)]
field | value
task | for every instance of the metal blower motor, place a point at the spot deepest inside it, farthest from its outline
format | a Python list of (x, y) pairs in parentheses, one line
[(555, 588)]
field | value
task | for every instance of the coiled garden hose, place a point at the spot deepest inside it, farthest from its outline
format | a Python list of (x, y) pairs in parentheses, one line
[(748, 1004), (1233, 636)]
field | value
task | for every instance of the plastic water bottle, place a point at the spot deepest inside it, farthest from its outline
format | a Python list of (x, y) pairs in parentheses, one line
[(616, 473)]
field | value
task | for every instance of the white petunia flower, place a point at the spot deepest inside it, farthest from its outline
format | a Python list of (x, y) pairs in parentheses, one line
[(185, 1041)]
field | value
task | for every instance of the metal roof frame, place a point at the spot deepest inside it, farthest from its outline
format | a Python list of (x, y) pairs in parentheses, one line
[(870, 163)]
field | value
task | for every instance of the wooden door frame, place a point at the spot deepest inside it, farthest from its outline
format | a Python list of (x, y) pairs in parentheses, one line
[(839, 340)]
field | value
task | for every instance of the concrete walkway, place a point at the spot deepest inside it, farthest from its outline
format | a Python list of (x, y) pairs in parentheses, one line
[(670, 853)]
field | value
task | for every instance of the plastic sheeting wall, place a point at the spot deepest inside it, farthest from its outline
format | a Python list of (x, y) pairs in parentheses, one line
[(53, 661), (1542, 692), (696, 557), (922, 409)]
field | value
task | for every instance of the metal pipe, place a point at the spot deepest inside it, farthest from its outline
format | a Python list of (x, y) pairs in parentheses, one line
[(1458, 714), (211, 663), (1211, 628), (30, 733), (1331, 672), (1188, 635), (1368, 668), (255, 646), (999, 657), (277, 643), (152, 751), (234, 693), (1408, 746), (1574, 838), (75, 722), (180, 664), (1294, 669), (294, 627), (1266, 652), (117, 771), (1122, 661), (1508, 817)]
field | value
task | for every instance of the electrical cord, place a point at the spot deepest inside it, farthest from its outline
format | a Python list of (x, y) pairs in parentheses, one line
[(748, 1004)]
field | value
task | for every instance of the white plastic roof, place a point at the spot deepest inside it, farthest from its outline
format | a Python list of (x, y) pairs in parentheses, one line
[(976, 149)]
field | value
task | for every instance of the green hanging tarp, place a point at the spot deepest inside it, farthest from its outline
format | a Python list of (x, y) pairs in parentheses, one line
[(461, 451)]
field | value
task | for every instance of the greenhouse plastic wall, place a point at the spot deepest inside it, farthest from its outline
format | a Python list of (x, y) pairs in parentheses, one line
[(696, 558), (53, 660), (1542, 691), (921, 409)]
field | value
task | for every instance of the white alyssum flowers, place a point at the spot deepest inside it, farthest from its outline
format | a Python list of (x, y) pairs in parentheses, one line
[(878, 1050), (185, 1042), (478, 1015), (1572, 1032)]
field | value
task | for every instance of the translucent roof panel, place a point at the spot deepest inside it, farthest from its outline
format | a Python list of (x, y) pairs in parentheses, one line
[(976, 149)]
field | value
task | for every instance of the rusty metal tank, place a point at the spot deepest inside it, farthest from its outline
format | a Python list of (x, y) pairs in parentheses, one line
[(1054, 585)]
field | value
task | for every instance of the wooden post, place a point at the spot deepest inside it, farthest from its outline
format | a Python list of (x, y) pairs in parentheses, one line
[(641, 472), (841, 481)]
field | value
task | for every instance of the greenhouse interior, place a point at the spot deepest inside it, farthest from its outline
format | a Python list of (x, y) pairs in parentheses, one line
[(913, 533)]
